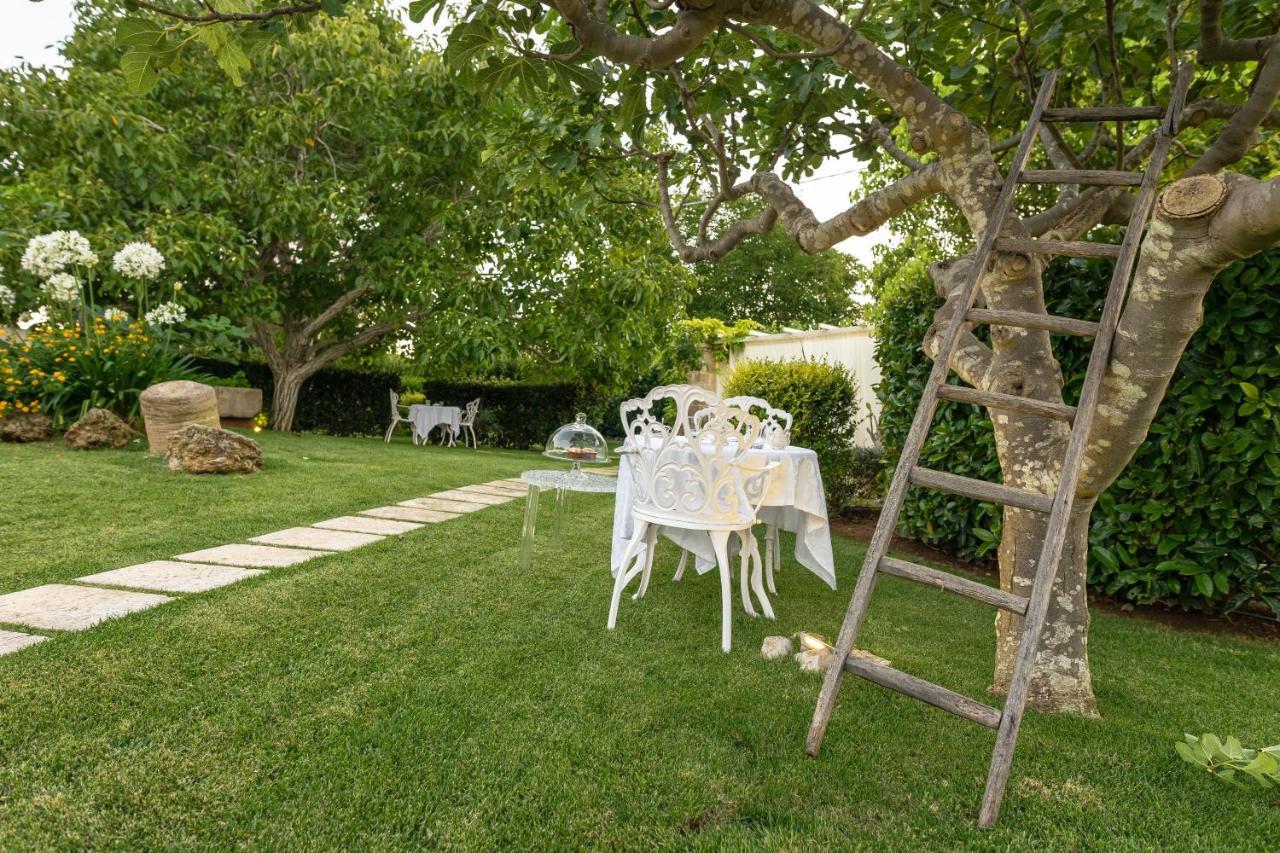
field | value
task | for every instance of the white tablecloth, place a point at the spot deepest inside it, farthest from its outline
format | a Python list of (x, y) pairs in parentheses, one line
[(427, 417), (795, 502)]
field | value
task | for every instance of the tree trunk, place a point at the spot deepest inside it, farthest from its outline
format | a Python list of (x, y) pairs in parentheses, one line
[(284, 399), (1060, 682)]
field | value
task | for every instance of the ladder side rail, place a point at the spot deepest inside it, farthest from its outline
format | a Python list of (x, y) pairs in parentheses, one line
[(1055, 534), (919, 428)]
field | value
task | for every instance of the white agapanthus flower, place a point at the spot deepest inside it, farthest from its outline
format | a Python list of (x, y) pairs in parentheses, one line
[(115, 315), (7, 299), (166, 314), (33, 318), (138, 260), (52, 253), (61, 287)]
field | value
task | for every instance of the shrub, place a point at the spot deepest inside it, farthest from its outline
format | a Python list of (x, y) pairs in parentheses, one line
[(520, 415), (66, 370), (823, 399), (1191, 521)]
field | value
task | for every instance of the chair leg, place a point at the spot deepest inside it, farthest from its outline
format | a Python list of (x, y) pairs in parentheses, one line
[(756, 571), (471, 432), (624, 575), (684, 560), (744, 555), (650, 545), (387, 438), (770, 549), (720, 542)]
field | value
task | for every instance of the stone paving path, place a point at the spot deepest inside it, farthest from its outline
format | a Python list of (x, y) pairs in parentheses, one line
[(107, 595)]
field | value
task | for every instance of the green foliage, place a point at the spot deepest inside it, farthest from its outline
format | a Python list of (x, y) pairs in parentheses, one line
[(823, 399), (235, 380), (1191, 521), (412, 398), (1231, 762), (866, 475), (773, 281), (697, 333)]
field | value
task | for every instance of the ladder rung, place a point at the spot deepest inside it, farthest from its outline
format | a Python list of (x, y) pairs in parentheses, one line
[(925, 691), (967, 487), (1070, 248), (1083, 177), (1113, 113), (1029, 320), (954, 583), (1007, 402)]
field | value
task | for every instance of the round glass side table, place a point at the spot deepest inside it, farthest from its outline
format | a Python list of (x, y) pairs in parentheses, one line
[(563, 482)]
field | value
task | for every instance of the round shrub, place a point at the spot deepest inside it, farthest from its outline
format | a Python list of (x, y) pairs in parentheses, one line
[(823, 399)]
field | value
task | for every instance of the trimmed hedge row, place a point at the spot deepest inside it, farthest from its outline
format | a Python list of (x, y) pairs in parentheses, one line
[(335, 401), (1192, 521), (520, 415)]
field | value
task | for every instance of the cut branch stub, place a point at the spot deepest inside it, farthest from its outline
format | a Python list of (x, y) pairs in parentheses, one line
[(1193, 198)]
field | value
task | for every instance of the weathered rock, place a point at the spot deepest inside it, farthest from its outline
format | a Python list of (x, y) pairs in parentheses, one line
[(99, 428), (23, 428), (169, 406), (200, 449), (814, 660), (775, 647)]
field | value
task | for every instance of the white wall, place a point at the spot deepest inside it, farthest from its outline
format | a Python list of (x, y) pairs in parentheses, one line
[(851, 346)]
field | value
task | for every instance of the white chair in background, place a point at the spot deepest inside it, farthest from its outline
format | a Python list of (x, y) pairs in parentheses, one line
[(397, 418), (468, 423), (691, 477)]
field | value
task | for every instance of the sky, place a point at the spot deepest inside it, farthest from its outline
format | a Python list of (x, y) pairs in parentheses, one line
[(33, 30)]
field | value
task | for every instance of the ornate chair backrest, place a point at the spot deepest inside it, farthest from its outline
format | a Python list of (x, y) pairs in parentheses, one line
[(772, 421), (395, 404), (472, 408), (691, 472)]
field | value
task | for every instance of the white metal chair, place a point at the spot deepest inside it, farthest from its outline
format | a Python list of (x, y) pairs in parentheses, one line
[(775, 426), (693, 479), (468, 423), (397, 418)]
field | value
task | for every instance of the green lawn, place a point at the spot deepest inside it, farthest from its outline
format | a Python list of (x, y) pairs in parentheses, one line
[(422, 692)]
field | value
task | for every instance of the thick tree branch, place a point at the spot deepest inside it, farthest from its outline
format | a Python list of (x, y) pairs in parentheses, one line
[(1234, 140), (691, 27), (328, 315), (213, 16), (1216, 47)]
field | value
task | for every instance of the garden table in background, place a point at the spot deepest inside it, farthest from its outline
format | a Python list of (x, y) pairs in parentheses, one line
[(563, 482), (428, 416), (794, 502)]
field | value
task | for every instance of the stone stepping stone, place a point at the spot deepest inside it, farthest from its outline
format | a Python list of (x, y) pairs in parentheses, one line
[(62, 607), (12, 641), (362, 524), (473, 497), (172, 576), (505, 490), (260, 556), (408, 513), (452, 507), (317, 539)]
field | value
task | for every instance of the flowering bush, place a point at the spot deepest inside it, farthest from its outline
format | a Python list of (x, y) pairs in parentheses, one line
[(63, 370), (61, 287), (166, 314), (115, 315)]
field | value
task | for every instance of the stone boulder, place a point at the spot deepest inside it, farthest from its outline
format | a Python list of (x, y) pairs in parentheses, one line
[(169, 406), (23, 428), (200, 449), (99, 428)]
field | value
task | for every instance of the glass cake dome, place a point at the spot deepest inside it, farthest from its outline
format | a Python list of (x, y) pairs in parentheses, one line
[(579, 443)]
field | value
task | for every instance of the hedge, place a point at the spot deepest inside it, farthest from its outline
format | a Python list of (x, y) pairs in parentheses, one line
[(514, 414), (1192, 521), (823, 400), (334, 401)]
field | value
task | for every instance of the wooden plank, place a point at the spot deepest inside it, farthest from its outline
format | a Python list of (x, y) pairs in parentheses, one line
[(1083, 177), (1028, 320), (1056, 529), (1111, 113), (1070, 248), (981, 490), (1008, 402), (914, 441), (954, 583), (925, 691)]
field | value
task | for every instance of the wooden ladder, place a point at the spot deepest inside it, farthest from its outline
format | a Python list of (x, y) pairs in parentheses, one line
[(1033, 607)]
